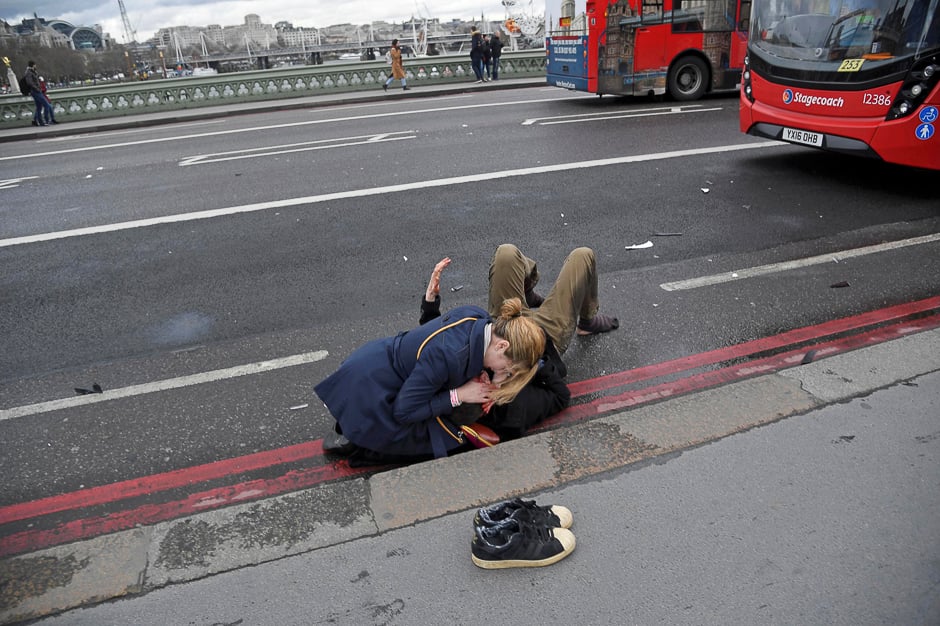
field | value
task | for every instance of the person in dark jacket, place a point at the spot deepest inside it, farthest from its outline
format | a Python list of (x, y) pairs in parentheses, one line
[(393, 396), (35, 90), (544, 396), (476, 54), (496, 51)]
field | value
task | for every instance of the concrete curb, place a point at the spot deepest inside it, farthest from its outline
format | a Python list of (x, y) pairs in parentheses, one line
[(143, 559)]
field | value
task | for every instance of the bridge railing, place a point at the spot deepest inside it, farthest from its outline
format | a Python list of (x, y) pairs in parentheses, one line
[(130, 98)]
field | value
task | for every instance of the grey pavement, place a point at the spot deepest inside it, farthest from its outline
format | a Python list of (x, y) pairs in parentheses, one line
[(116, 122), (810, 496)]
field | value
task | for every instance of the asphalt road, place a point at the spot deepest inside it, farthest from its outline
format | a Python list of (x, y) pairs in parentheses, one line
[(307, 232)]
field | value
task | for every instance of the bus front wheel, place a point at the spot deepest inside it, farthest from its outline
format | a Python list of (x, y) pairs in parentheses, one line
[(688, 78)]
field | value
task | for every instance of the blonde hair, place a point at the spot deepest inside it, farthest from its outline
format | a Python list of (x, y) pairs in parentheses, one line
[(526, 346)]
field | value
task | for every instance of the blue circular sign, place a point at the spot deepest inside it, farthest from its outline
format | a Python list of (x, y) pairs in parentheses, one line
[(924, 132), (929, 115), (787, 96)]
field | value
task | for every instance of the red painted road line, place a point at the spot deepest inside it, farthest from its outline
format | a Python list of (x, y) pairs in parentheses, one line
[(799, 335), (160, 482), (28, 541), (714, 378), (32, 540), (219, 469)]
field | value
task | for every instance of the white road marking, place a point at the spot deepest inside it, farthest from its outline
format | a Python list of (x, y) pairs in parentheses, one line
[(164, 385), (580, 117), (305, 146), (10, 183), (617, 117), (233, 131), (772, 268), (376, 191)]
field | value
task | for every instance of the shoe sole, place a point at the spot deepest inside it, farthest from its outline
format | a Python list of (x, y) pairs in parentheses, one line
[(520, 563)]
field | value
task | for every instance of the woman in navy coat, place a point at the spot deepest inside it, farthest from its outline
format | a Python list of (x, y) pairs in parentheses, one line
[(393, 396)]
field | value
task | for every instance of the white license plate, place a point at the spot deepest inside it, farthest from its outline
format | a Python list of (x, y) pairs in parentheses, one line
[(803, 136)]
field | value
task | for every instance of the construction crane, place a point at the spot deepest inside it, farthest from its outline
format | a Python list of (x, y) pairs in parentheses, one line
[(129, 35)]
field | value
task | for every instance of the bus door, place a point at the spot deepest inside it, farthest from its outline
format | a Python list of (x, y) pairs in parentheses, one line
[(650, 62)]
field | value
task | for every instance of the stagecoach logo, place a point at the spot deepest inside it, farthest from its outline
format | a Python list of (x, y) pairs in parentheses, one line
[(790, 96)]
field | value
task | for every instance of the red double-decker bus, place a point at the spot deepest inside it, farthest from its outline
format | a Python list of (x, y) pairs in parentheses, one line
[(855, 76), (651, 47)]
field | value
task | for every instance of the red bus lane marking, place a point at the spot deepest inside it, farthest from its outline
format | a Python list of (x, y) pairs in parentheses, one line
[(71, 531), (160, 482), (799, 335), (32, 540), (714, 378)]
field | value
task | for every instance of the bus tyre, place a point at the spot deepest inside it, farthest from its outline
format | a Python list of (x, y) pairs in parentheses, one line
[(688, 78)]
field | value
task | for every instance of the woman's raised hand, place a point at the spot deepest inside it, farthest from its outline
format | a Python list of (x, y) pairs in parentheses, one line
[(434, 285)]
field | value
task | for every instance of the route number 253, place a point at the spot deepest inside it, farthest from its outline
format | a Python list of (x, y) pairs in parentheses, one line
[(851, 65)]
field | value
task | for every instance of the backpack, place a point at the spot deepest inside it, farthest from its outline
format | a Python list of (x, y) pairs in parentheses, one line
[(24, 86)]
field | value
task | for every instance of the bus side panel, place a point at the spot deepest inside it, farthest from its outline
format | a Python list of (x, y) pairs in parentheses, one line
[(567, 63)]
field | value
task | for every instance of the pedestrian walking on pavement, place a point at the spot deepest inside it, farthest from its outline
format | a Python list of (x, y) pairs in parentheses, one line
[(398, 71)]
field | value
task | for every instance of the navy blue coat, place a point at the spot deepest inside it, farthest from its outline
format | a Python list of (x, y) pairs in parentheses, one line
[(387, 400)]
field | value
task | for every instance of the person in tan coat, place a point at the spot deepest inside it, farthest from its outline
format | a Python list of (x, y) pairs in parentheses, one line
[(398, 71)]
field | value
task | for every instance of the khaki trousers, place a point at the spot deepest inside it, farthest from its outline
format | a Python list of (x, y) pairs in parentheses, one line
[(573, 295)]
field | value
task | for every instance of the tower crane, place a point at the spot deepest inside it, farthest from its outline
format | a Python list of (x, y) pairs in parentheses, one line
[(129, 33)]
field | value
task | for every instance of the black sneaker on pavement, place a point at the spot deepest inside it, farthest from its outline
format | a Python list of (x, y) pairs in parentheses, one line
[(553, 516), (515, 544)]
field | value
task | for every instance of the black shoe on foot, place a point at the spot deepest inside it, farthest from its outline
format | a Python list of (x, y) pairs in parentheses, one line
[(533, 300), (515, 544), (406, 88), (35, 123), (384, 87), (526, 511), (598, 324)]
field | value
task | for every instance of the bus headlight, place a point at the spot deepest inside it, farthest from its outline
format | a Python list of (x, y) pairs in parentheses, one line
[(746, 79), (920, 81)]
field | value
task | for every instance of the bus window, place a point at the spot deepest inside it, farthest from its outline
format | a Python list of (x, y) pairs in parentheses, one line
[(687, 16), (710, 16)]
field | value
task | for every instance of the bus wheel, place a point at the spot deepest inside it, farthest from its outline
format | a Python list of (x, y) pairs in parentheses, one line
[(688, 78)]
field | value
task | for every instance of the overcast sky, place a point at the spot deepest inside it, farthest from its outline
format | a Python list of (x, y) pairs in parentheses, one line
[(148, 16)]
